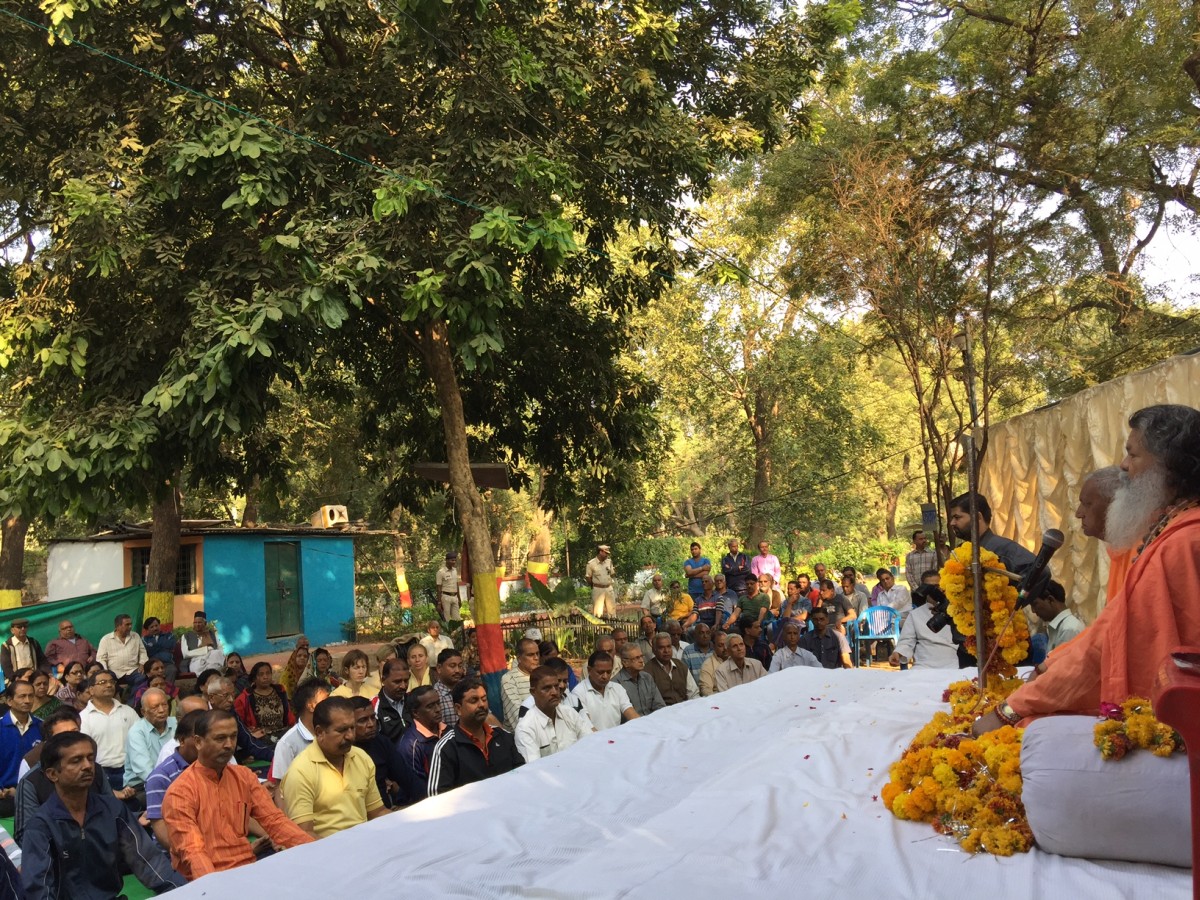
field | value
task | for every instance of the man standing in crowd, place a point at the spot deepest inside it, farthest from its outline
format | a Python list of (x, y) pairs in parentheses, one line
[(450, 671), (19, 731), (738, 669), (919, 560), (600, 575), (695, 568), (606, 704), (791, 653), (209, 807), (409, 767), (147, 737), (331, 785), (639, 685), (550, 726), (472, 750), (514, 684), (20, 651), (735, 567), (1012, 555), (80, 843), (826, 644), (122, 652), (766, 563), (707, 679), (449, 603), (108, 721), (69, 647), (201, 649), (671, 677), (304, 701), (390, 703)]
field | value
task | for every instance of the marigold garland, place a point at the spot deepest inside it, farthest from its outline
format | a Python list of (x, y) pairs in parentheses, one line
[(1001, 600), (1133, 725), (969, 788)]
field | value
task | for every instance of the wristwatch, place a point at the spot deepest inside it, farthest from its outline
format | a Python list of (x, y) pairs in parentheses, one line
[(1007, 714)]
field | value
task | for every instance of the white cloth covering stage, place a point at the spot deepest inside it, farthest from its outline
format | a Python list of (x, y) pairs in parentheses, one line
[(768, 790)]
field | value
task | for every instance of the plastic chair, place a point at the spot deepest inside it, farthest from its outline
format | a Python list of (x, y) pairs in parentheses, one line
[(875, 623)]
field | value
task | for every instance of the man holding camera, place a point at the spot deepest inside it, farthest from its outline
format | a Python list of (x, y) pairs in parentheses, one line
[(930, 647)]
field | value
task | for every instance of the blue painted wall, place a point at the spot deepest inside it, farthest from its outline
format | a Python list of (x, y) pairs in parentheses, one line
[(235, 589)]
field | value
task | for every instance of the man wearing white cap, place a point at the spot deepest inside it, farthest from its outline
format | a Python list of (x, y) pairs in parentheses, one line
[(600, 575), (447, 588)]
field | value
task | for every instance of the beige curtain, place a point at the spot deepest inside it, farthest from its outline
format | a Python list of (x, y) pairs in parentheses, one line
[(1036, 462)]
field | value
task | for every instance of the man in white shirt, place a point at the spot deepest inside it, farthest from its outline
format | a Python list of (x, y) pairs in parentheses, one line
[(600, 575), (435, 642), (920, 645), (791, 653), (739, 668), (449, 600), (300, 735), (654, 601), (607, 704), (108, 721), (892, 594), (548, 728), (1061, 623), (122, 652), (200, 646)]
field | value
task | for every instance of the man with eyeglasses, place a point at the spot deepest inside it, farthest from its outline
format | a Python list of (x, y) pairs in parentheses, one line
[(107, 721), (20, 651), (638, 683), (514, 684), (69, 647)]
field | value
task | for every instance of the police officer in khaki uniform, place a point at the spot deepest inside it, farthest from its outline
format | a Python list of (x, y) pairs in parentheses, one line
[(600, 575)]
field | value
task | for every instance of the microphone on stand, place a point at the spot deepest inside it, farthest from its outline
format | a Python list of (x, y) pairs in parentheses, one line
[(1033, 583)]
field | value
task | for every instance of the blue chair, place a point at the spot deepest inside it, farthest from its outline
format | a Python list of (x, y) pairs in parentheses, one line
[(875, 623)]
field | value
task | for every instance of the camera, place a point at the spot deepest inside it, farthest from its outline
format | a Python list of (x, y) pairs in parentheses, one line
[(937, 601)]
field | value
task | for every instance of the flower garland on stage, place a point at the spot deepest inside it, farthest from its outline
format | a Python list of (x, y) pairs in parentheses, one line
[(1133, 725), (968, 787)]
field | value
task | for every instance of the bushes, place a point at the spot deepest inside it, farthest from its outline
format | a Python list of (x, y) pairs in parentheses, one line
[(865, 556), (666, 554)]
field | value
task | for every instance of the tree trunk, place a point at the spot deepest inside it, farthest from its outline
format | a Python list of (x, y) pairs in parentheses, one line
[(472, 516), (250, 510), (396, 517), (537, 564), (12, 561), (164, 556), (761, 429)]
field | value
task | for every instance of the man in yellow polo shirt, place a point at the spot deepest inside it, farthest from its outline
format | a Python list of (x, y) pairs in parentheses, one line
[(331, 785)]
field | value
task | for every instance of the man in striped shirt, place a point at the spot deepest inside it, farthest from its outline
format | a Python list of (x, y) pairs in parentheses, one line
[(920, 560)]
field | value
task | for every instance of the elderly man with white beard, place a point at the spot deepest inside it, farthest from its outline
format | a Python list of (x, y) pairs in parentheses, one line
[(1158, 607)]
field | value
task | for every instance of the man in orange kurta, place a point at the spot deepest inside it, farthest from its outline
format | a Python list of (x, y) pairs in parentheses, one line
[(1158, 607), (208, 808)]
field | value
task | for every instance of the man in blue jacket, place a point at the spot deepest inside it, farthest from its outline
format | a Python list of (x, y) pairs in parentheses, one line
[(409, 766), (77, 843), (19, 731)]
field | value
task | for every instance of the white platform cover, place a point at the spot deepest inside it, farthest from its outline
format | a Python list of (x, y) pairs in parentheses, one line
[(766, 791)]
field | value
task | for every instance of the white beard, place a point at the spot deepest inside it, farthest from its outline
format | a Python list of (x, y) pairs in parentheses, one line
[(1134, 508)]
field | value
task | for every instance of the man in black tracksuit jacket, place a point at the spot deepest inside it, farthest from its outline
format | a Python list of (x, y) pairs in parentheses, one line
[(472, 750)]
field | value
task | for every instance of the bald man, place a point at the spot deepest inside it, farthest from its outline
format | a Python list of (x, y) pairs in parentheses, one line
[(1095, 497)]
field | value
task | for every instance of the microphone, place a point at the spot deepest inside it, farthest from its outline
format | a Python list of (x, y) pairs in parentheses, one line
[(1033, 583)]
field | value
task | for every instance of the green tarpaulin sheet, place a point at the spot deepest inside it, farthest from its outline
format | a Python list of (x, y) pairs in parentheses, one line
[(92, 615)]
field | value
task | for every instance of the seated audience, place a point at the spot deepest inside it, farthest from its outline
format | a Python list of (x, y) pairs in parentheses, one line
[(154, 674), (739, 668), (323, 668), (390, 703), (791, 653), (146, 738), (918, 643), (607, 705), (434, 641), (209, 807), (548, 650), (674, 681), (371, 741), (263, 706), (331, 786), (235, 670), (696, 653), (472, 750), (300, 735), (80, 843), (74, 691), (638, 683), (200, 647), (450, 671), (159, 644), (827, 645), (35, 788), (356, 667), (409, 766), (44, 702), (562, 670), (296, 667), (549, 727), (757, 646), (418, 666), (1051, 608), (707, 681), (168, 770), (68, 647), (107, 721), (219, 691), (514, 683)]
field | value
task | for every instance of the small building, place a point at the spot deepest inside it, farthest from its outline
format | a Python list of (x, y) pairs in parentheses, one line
[(263, 586)]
